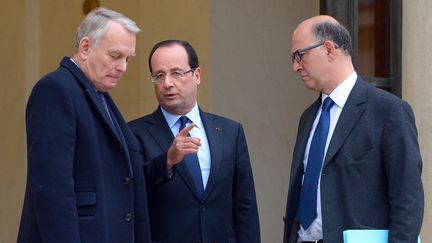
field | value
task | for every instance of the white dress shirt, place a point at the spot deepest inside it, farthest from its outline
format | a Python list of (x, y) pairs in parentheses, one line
[(339, 96), (198, 131)]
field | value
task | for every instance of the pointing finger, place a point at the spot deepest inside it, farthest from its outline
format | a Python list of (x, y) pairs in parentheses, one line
[(185, 131)]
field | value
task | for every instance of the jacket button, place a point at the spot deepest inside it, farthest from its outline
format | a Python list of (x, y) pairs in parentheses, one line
[(126, 180), (202, 208), (128, 217)]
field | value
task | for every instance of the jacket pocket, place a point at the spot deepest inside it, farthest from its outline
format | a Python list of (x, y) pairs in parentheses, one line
[(86, 203)]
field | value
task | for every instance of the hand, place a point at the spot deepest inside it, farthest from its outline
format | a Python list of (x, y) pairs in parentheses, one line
[(182, 145)]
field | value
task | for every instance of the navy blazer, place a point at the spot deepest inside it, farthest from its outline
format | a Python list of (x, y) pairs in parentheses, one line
[(371, 176), (228, 210), (83, 184)]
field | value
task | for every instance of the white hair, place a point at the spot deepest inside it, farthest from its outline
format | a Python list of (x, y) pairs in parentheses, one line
[(97, 21)]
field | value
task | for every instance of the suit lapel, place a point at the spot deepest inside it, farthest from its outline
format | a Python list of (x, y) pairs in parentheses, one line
[(160, 130), (115, 117), (124, 132), (303, 136), (162, 134), (351, 113), (118, 119), (90, 92), (215, 139)]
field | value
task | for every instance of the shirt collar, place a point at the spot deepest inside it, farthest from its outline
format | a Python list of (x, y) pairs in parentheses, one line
[(342, 91), (193, 115), (72, 60)]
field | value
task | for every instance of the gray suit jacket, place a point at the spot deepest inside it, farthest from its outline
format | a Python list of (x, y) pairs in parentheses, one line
[(371, 177)]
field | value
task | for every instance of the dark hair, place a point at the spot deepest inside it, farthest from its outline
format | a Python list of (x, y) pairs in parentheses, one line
[(192, 56), (334, 32)]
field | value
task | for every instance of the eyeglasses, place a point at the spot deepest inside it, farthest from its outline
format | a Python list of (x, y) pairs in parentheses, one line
[(298, 55), (176, 75)]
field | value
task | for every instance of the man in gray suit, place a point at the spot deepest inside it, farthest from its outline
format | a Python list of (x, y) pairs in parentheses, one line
[(356, 163)]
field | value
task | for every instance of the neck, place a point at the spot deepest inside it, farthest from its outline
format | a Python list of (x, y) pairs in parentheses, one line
[(341, 71)]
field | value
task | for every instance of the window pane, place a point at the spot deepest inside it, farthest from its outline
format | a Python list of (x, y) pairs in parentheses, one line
[(373, 38)]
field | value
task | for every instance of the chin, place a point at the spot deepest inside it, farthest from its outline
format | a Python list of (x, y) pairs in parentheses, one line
[(308, 85), (111, 86), (172, 108)]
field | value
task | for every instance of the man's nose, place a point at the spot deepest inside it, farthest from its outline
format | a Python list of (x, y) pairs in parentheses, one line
[(168, 82), (296, 66), (122, 66)]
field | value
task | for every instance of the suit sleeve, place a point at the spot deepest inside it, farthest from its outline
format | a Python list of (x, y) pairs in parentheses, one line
[(246, 221), (403, 165), (156, 169), (50, 122)]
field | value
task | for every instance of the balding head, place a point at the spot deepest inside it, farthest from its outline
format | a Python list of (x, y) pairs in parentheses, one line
[(322, 51), (322, 28)]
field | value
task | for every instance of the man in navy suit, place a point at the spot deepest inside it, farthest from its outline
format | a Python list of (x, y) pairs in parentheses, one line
[(85, 180), (207, 199), (370, 174)]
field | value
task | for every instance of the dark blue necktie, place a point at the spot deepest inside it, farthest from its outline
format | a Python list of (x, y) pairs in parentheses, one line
[(113, 121), (105, 104), (192, 163), (308, 196)]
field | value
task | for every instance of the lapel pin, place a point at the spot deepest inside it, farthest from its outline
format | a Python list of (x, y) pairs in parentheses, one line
[(217, 129)]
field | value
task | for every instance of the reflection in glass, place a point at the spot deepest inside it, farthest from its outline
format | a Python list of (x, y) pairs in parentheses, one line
[(373, 38)]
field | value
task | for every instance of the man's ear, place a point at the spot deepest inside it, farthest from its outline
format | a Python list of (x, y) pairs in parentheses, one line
[(197, 75), (330, 48), (84, 47)]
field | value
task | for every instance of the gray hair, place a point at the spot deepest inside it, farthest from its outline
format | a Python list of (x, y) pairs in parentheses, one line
[(335, 32), (96, 23)]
